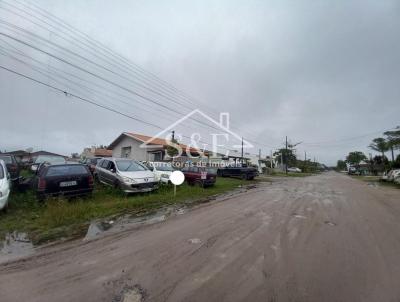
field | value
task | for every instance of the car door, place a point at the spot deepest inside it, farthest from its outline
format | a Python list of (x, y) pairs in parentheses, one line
[(108, 175), (101, 171)]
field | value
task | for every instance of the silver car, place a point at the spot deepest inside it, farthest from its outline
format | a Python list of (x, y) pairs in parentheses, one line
[(126, 174)]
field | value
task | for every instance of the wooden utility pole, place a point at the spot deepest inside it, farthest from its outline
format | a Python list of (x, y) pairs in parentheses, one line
[(242, 152), (271, 159), (286, 157)]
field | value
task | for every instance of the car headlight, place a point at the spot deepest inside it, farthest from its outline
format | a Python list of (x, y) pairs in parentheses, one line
[(164, 175), (128, 180)]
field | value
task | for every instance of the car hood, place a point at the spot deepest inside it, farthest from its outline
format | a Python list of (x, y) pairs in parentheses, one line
[(137, 174)]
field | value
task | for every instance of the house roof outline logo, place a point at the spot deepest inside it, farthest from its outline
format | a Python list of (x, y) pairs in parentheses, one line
[(246, 144)]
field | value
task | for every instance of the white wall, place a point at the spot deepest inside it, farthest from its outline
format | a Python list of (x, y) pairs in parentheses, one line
[(137, 153)]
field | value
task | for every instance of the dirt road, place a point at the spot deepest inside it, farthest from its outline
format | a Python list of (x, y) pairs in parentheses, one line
[(320, 238)]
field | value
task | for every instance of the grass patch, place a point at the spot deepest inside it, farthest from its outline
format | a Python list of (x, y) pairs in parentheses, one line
[(376, 180), (58, 217)]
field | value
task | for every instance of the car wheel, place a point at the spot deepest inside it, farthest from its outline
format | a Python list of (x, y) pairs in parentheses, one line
[(199, 184), (244, 176), (117, 185), (5, 209)]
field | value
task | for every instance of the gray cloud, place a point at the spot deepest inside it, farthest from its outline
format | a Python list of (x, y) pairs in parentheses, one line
[(313, 70)]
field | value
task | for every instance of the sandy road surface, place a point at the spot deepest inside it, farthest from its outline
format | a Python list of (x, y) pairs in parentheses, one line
[(320, 238)]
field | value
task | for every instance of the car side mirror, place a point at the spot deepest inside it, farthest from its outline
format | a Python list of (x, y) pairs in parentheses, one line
[(112, 170), (8, 175)]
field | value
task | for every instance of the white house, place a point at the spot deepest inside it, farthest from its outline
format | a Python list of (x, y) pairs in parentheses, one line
[(130, 145)]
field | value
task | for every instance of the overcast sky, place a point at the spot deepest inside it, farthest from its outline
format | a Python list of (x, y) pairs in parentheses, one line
[(324, 73)]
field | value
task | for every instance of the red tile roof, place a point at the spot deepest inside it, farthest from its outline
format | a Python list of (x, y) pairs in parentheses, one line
[(159, 141), (102, 153)]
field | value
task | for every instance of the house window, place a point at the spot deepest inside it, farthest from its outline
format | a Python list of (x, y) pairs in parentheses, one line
[(155, 156), (126, 152)]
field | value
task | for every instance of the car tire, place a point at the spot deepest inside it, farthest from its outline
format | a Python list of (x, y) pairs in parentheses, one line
[(117, 185), (199, 184), (244, 176), (5, 209)]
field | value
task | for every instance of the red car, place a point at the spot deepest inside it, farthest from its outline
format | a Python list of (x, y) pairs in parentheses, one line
[(201, 176)]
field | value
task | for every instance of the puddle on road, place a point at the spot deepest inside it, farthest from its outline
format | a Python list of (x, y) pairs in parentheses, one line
[(299, 216), (130, 294), (194, 241), (15, 245), (97, 228)]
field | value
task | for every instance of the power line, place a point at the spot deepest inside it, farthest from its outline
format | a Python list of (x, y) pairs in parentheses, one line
[(66, 93), (91, 41)]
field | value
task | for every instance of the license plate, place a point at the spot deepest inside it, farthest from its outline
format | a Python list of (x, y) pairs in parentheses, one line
[(68, 183), (203, 175)]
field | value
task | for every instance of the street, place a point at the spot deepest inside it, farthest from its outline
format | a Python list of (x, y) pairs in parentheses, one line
[(321, 238)]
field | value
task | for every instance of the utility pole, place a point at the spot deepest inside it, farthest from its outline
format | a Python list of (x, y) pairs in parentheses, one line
[(242, 152), (270, 159), (259, 160), (286, 157)]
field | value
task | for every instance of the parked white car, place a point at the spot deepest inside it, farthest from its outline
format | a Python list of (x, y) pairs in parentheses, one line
[(162, 170), (5, 186), (393, 174), (385, 176), (397, 180), (294, 169)]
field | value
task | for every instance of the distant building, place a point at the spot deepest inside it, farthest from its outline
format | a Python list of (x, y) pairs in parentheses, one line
[(24, 156), (128, 145), (42, 152), (21, 155), (95, 152)]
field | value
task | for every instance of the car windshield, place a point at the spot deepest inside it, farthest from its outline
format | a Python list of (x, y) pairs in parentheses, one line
[(66, 170), (49, 159), (7, 159), (129, 166)]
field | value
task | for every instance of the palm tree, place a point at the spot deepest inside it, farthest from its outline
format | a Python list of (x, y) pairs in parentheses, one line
[(381, 145), (393, 139)]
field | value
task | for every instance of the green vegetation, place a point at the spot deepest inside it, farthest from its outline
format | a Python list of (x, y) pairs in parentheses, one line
[(375, 180), (341, 165), (58, 217)]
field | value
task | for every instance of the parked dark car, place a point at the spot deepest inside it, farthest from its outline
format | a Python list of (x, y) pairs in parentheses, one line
[(12, 166), (201, 176), (63, 179), (91, 163), (238, 171)]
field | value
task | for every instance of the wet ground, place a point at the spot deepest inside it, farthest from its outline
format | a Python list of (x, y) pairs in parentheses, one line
[(320, 238)]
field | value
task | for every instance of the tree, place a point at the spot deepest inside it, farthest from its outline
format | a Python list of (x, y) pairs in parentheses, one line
[(171, 150), (355, 157), (287, 155), (341, 165), (393, 140), (379, 144)]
